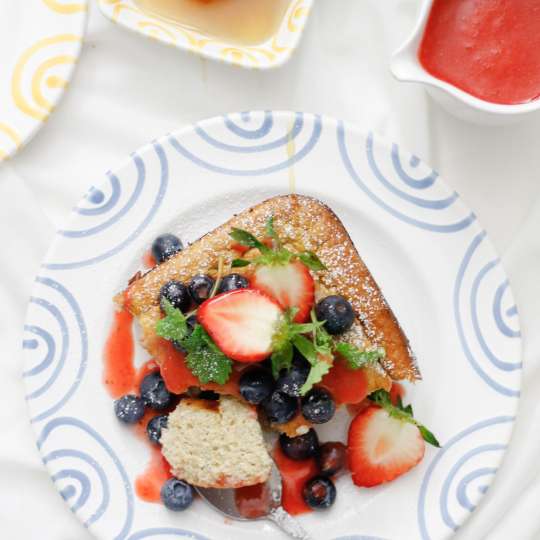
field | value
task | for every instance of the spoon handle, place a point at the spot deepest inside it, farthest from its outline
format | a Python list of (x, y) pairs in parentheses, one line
[(288, 524)]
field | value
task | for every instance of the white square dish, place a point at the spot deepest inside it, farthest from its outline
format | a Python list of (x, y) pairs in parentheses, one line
[(272, 53)]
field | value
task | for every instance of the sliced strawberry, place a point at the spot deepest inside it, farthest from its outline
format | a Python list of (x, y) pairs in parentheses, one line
[(290, 284), (241, 323), (382, 448)]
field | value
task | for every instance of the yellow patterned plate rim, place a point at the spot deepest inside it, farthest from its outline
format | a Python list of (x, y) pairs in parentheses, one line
[(43, 51), (272, 53)]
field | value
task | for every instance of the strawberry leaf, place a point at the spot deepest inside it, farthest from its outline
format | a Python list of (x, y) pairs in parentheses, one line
[(428, 436), (404, 414), (316, 373), (239, 263), (204, 358), (358, 358), (311, 261), (173, 326), (270, 231), (245, 238)]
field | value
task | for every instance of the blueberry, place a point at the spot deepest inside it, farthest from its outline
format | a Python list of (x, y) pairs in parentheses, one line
[(154, 393), (165, 246), (300, 447), (232, 282), (280, 408), (337, 312), (318, 406), (176, 494), (191, 322), (290, 382), (154, 427), (200, 288), (176, 293), (319, 493), (129, 409), (256, 384), (332, 458)]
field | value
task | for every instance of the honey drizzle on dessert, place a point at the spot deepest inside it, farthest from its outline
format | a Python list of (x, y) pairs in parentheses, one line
[(240, 22), (291, 152)]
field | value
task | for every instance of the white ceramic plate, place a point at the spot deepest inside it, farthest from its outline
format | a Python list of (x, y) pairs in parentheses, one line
[(40, 41), (430, 256), (272, 53)]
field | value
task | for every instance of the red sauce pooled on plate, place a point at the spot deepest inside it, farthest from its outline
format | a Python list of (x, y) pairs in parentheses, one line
[(119, 372), (294, 475), (488, 48), (158, 471)]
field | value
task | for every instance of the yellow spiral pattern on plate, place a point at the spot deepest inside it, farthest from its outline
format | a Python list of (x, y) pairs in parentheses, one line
[(65, 8), (40, 107), (128, 14), (12, 135)]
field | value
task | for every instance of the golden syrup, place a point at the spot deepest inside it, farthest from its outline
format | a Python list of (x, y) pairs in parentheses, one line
[(291, 151), (242, 22)]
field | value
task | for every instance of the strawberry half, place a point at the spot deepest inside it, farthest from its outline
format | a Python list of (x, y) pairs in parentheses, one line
[(290, 284), (382, 448), (241, 323)]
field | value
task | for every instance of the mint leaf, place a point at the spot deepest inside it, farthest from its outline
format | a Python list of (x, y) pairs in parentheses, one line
[(316, 373), (282, 358), (311, 261), (173, 326), (357, 358), (204, 358), (404, 414), (245, 238), (239, 263), (270, 231), (306, 348)]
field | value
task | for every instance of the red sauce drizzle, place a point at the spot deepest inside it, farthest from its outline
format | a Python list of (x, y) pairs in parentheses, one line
[(294, 475), (148, 260), (148, 484), (488, 48), (252, 501), (345, 384), (119, 372)]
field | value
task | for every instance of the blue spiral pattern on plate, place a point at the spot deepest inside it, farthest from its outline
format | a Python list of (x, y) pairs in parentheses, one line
[(473, 272), (159, 532), (53, 363), (390, 185), (130, 206), (457, 465), (359, 537), (96, 196), (73, 480), (274, 162)]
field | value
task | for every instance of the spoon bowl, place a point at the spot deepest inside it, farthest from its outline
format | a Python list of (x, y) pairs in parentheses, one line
[(255, 503)]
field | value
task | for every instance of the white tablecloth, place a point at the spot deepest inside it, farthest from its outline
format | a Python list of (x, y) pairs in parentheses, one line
[(128, 90)]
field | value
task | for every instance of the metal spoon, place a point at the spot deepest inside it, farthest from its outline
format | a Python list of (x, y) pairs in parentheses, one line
[(224, 501)]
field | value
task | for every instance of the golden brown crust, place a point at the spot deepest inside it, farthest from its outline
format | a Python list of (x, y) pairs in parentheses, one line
[(303, 223)]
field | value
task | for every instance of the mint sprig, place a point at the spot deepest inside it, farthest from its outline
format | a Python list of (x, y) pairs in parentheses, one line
[(173, 326), (277, 255), (404, 414), (203, 357), (357, 358)]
